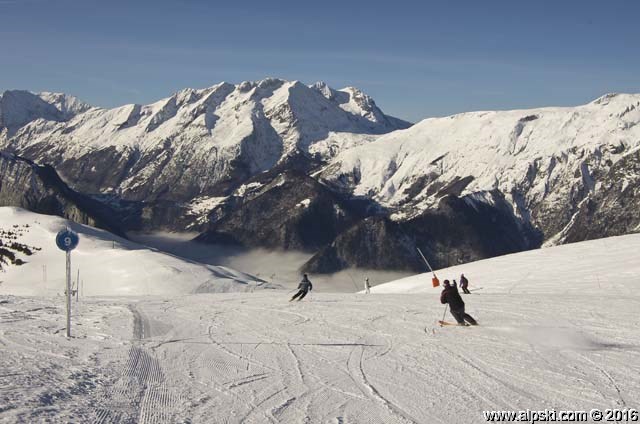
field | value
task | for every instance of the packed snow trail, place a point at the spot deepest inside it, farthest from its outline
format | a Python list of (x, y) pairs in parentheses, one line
[(140, 395), (349, 358)]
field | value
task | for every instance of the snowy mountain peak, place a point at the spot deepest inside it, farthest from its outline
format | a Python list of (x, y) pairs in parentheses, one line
[(271, 83), (70, 106), (354, 101), (245, 86), (361, 103), (195, 142), (18, 107), (324, 89), (604, 99), (359, 97)]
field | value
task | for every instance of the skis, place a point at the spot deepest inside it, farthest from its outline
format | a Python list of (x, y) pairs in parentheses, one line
[(443, 323)]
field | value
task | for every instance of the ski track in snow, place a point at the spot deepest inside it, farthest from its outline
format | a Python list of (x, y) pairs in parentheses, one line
[(141, 394), (339, 358)]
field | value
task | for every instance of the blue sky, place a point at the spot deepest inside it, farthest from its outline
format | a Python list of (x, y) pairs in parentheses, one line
[(416, 59)]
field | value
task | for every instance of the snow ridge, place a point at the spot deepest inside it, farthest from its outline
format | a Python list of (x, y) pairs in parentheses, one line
[(545, 161)]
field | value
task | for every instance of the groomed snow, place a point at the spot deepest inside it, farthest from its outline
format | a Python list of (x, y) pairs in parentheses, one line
[(109, 265), (605, 266), (553, 335)]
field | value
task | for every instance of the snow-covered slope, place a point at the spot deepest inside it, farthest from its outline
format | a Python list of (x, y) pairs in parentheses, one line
[(604, 266), (108, 265), (196, 142), (40, 189), (555, 340), (544, 161)]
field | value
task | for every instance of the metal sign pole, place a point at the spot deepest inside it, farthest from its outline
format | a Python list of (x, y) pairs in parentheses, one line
[(67, 240), (68, 293)]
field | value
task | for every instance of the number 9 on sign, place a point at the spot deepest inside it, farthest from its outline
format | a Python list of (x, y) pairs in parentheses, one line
[(67, 240)]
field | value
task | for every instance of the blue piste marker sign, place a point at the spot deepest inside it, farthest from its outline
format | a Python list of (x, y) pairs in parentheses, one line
[(67, 240)]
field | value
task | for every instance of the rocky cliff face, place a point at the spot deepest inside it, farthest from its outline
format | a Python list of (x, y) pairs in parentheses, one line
[(374, 243), (611, 210), (288, 211), (40, 189), (458, 230)]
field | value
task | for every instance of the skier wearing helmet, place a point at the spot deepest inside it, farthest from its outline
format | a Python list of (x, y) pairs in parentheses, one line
[(451, 296)]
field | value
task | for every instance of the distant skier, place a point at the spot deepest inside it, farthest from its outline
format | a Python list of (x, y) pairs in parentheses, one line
[(303, 288), (451, 296), (464, 283), (367, 286)]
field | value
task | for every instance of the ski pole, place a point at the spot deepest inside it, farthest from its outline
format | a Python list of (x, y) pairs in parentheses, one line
[(445, 311)]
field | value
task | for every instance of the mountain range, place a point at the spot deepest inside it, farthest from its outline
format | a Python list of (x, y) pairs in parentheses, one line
[(283, 165)]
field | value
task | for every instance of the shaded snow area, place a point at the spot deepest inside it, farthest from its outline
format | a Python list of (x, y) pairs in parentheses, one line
[(107, 264), (565, 338)]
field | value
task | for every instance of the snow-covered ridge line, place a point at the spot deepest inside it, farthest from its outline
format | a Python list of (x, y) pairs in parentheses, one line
[(350, 99), (19, 107), (545, 160), (195, 143)]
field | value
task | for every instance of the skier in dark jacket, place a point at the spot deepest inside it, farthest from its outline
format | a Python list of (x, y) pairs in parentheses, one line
[(464, 283), (303, 288), (451, 296)]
